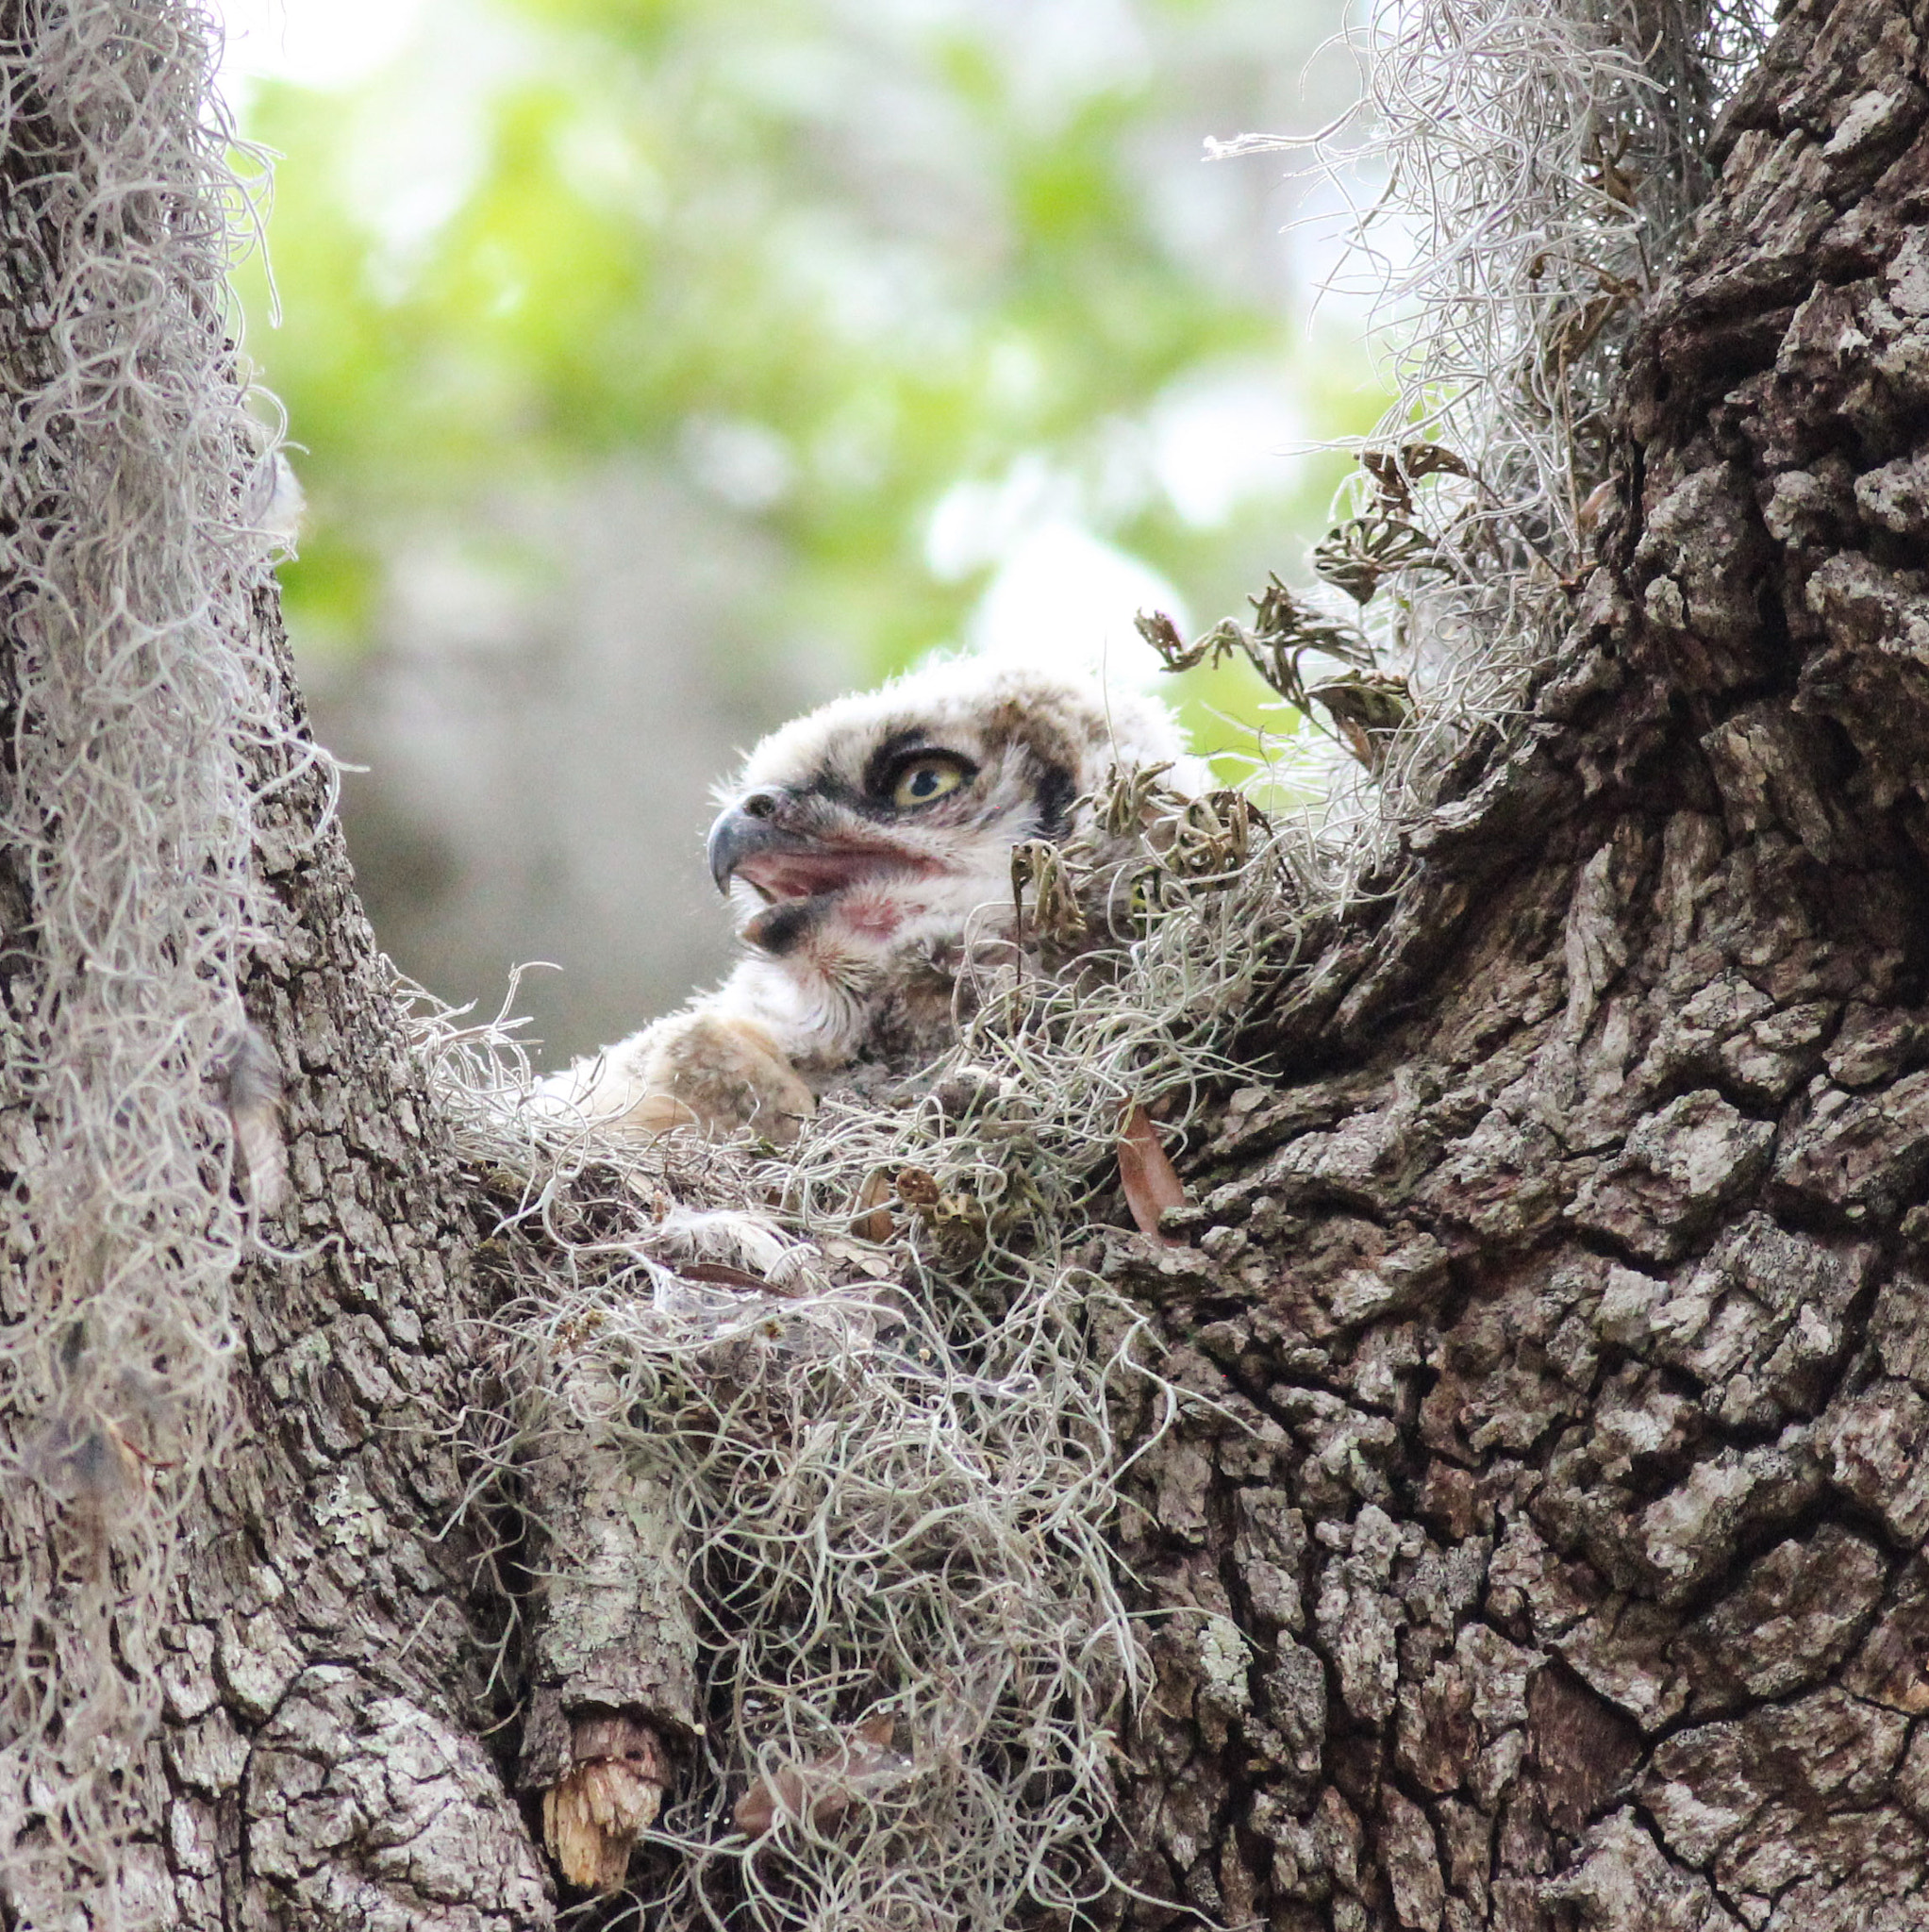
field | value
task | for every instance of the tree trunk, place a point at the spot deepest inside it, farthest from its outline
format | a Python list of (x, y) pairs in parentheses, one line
[(1539, 1547), (267, 1697), (333, 1681), (1550, 1553)]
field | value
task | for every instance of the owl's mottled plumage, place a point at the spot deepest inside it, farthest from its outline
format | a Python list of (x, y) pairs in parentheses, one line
[(864, 847)]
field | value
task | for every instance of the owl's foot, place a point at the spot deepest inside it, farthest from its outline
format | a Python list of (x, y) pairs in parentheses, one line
[(717, 1075)]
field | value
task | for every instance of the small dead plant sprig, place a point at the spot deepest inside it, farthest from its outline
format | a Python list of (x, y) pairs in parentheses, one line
[(1366, 705)]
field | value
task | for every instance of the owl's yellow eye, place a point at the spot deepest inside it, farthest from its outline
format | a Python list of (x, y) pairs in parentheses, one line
[(924, 779)]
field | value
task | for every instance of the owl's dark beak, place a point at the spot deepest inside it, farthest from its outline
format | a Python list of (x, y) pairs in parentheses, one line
[(740, 834), (757, 840)]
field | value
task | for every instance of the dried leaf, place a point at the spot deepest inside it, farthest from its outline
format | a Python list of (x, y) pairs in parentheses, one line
[(1605, 173), (872, 1219), (1367, 708), (1395, 471), (721, 1274), (827, 1787), (1132, 798), (1281, 624), (1205, 843), (1281, 631), (1040, 865), (1596, 505), (1162, 633), (1359, 742), (1361, 551), (1150, 1182)]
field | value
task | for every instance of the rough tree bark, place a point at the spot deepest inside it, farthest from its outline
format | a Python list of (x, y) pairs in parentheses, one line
[(1549, 1547), (1564, 1287)]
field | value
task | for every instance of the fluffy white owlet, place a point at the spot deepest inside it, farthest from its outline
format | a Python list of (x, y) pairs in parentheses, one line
[(865, 848)]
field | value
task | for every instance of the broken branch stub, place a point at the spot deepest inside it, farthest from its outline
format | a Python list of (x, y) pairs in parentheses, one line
[(594, 1817), (612, 1653)]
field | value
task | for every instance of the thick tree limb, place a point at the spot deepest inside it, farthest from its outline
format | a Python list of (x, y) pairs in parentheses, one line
[(1560, 1471)]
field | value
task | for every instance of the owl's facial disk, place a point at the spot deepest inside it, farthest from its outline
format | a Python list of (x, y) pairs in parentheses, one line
[(888, 837), (866, 847), (829, 860)]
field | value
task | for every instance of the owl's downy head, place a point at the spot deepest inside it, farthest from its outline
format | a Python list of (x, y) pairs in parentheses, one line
[(887, 819)]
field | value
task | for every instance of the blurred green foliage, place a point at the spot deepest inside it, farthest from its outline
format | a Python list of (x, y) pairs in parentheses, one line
[(828, 258)]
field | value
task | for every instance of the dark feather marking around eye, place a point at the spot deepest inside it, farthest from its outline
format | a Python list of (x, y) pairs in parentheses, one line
[(880, 767), (886, 781), (827, 783), (1057, 791)]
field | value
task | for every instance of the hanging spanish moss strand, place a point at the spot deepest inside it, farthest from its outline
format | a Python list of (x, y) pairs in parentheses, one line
[(132, 474)]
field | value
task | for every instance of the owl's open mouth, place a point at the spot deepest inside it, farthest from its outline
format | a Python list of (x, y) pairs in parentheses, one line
[(778, 875)]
